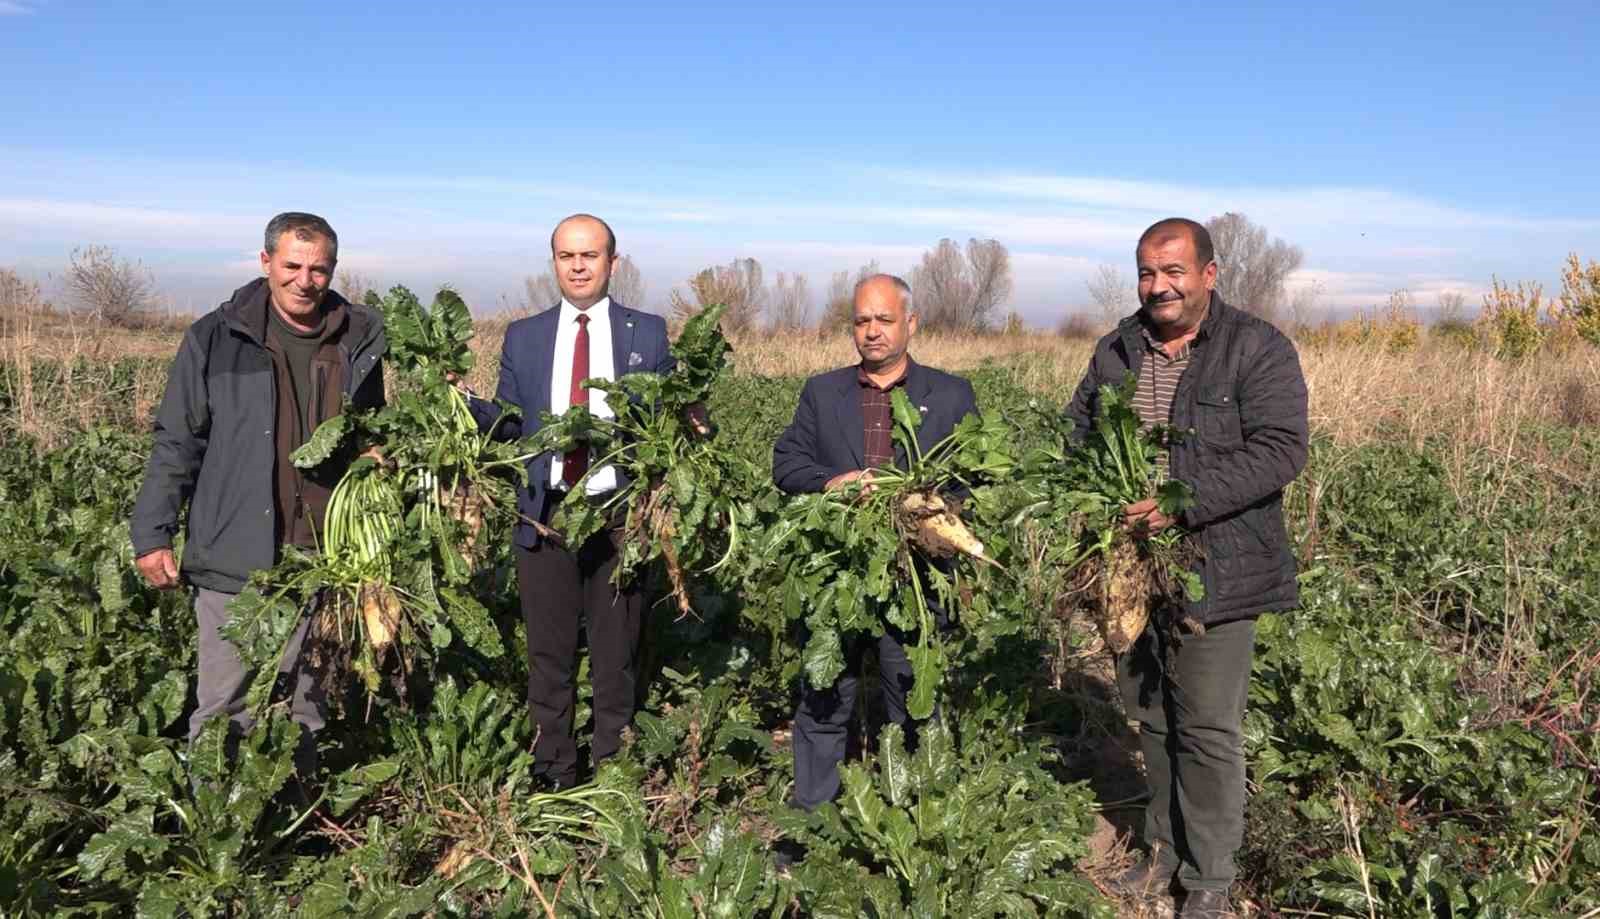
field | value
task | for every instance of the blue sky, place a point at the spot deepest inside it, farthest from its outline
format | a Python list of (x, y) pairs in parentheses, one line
[(1422, 145)]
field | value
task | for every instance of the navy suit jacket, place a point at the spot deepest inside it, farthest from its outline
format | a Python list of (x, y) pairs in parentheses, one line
[(828, 437), (638, 343)]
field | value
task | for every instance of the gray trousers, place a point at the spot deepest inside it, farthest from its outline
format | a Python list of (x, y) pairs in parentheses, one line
[(1190, 711), (224, 680), (822, 721)]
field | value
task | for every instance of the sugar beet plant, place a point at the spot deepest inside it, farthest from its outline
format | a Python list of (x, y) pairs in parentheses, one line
[(887, 552), (1074, 487), (407, 525), (683, 498)]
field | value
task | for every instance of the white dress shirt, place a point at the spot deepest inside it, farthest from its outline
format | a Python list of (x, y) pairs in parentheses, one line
[(600, 365)]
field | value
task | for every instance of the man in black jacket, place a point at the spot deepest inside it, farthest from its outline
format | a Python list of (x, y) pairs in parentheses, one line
[(251, 381), (843, 429), (1231, 383)]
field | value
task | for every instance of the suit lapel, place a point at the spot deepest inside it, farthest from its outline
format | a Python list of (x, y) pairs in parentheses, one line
[(623, 326), (919, 387), (544, 361), (851, 421)]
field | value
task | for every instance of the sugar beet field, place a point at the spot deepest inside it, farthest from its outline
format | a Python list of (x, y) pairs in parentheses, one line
[(1423, 735)]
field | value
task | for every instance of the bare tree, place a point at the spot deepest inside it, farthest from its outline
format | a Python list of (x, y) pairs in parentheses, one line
[(839, 310), (1452, 306), (789, 309), (627, 284), (961, 290), (540, 293), (738, 284), (1078, 327), (940, 286), (354, 286), (112, 290), (19, 296), (1251, 270), (1303, 303), (990, 266), (1401, 303), (1112, 293)]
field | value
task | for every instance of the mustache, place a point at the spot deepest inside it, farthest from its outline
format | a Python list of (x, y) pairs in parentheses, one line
[(1162, 298)]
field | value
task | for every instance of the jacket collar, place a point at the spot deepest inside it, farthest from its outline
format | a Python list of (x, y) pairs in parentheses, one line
[(917, 381)]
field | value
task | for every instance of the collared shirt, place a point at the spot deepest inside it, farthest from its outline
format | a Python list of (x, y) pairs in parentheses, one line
[(877, 415), (1158, 383), (600, 365)]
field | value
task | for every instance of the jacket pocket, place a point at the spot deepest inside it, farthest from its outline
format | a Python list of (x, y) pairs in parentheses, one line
[(1217, 416)]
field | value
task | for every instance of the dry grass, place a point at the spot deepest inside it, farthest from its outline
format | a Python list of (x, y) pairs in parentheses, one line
[(1467, 402)]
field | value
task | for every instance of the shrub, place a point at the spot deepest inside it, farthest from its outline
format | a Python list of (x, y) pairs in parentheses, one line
[(1510, 319)]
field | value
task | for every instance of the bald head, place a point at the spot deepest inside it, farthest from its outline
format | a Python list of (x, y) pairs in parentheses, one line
[(590, 222), (882, 285), (884, 322)]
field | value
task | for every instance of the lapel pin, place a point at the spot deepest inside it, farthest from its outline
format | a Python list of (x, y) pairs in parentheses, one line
[(923, 409)]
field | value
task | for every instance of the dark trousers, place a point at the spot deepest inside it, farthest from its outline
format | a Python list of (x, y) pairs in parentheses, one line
[(822, 720), (556, 586), (1190, 710)]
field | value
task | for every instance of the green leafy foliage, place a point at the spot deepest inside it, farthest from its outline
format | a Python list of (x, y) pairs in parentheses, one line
[(1421, 736), (683, 496), (975, 828), (852, 562), (405, 534)]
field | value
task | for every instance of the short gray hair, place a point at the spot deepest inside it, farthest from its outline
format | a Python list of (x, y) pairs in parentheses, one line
[(304, 226), (899, 284)]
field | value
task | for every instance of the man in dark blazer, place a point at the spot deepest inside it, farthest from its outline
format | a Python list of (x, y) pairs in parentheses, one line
[(842, 430), (544, 359)]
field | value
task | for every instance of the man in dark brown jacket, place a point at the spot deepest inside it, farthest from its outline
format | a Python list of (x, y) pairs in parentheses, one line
[(251, 381), (1231, 383)]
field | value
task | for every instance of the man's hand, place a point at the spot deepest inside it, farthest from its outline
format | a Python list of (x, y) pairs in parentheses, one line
[(843, 479), (699, 421), (1145, 518), (459, 382), (159, 568), (374, 454)]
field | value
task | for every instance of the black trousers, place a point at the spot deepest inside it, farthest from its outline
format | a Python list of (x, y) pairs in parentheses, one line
[(822, 719), (1190, 708), (556, 586)]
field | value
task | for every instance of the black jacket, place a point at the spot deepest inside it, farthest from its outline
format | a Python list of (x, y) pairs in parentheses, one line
[(828, 437), (214, 442), (1242, 405)]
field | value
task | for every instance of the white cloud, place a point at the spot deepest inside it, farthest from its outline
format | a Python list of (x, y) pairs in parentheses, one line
[(32, 213), (1344, 205), (486, 233)]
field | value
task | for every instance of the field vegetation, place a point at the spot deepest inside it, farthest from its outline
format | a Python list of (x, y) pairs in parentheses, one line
[(1423, 735)]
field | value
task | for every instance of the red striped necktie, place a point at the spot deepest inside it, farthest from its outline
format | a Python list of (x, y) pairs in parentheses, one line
[(576, 462)]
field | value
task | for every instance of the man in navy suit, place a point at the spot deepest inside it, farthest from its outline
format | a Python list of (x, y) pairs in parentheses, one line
[(842, 430), (542, 364)]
